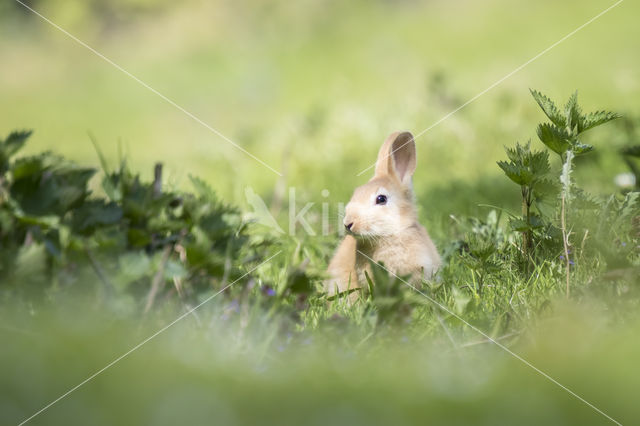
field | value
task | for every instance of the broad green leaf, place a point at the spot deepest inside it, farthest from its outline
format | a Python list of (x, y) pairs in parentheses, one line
[(525, 166), (556, 139), (545, 193), (111, 189), (95, 213), (37, 164), (46, 184), (12, 144), (539, 163), (50, 221), (15, 141), (517, 174), (520, 225)]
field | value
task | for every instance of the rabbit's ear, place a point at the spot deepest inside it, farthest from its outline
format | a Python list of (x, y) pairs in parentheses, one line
[(397, 157)]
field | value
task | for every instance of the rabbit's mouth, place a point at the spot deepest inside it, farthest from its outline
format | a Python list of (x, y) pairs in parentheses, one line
[(353, 233), (363, 237)]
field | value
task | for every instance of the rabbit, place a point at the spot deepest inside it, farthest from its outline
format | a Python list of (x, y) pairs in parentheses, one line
[(382, 224)]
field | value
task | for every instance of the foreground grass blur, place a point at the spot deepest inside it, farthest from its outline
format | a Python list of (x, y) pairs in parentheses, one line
[(216, 368)]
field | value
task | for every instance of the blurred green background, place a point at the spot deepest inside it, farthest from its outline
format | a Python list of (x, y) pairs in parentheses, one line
[(312, 88)]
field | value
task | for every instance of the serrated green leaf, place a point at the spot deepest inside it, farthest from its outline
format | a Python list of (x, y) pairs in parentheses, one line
[(582, 200), (594, 119), (525, 166), (544, 196), (93, 214), (16, 140), (538, 163), (521, 225), (203, 189), (517, 174), (549, 108), (12, 144), (556, 139), (46, 184), (630, 205), (572, 111), (545, 188), (36, 164)]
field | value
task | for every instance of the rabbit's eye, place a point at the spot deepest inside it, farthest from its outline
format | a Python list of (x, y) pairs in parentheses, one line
[(381, 199)]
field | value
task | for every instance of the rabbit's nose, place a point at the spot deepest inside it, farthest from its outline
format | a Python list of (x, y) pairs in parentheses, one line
[(348, 226)]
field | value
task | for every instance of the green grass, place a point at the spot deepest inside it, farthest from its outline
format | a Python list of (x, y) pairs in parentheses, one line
[(313, 88)]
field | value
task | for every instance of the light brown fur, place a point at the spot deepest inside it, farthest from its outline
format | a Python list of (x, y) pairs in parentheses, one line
[(385, 232)]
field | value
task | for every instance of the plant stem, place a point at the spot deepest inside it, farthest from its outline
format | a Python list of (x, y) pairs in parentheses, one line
[(565, 179), (158, 279), (527, 237), (157, 180), (565, 242)]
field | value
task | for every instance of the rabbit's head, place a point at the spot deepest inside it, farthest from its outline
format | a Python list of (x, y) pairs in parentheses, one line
[(384, 206)]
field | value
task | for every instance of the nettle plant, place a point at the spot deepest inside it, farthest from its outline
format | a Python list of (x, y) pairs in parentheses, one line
[(563, 133), (132, 242), (531, 171)]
